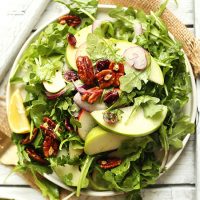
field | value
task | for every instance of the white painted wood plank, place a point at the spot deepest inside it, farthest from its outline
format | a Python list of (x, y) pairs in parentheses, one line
[(169, 193), (17, 20)]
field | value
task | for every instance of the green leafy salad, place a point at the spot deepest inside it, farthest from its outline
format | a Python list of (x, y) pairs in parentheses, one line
[(100, 102)]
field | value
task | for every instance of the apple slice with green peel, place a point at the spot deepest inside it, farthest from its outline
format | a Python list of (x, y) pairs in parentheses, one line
[(136, 125), (156, 74), (87, 123), (57, 83), (81, 37), (98, 140)]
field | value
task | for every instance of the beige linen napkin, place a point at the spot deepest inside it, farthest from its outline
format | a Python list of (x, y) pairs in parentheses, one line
[(190, 44)]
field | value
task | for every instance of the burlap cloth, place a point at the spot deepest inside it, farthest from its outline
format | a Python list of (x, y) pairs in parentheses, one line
[(191, 45)]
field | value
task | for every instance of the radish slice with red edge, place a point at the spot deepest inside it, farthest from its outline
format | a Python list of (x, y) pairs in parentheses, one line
[(52, 96), (136, 57)]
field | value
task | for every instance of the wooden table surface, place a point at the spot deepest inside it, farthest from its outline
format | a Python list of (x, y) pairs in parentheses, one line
[(177, 184)]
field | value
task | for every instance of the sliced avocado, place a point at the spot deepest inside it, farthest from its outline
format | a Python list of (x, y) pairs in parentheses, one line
[(135, 126), (99, 140), (81, 37), (156, 74)]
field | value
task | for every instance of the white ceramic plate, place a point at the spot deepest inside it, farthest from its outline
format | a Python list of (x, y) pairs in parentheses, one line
[(190, 108)]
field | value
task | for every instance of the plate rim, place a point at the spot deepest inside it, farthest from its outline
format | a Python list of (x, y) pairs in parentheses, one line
[(93, 192)]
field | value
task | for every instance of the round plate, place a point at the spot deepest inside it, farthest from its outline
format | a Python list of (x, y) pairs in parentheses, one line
[(190, 109)]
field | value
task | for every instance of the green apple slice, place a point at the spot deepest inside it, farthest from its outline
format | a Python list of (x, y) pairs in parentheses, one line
[(136, 126), (98, 140), (156, 74), (57, 83), (71, 52)]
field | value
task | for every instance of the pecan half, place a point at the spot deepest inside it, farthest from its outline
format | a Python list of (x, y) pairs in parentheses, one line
[(105, 78), (28, 140), (117, 67), (50, 146), (109, 163), (35, 156), (71, 20), (48, 131), (117, 77), (85, 70), (92, 95), (50, 122)]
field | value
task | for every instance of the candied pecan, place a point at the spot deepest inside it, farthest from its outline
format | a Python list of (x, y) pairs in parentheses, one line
[(105, 78), (28, 140), (117, 67), (34, 155), (92, 95), (68, 125), (70, 76), (71, 39), (85, 70), (48, 131), (50, 122), (50, 146), (71, 20), (116, 81), (109, 163), (102, 64), (111, 97)]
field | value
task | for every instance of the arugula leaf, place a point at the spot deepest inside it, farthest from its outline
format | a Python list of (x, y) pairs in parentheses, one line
[(148, 104), (87, 7), (100, 48), (181, 128), (133, 79), (84, 171)]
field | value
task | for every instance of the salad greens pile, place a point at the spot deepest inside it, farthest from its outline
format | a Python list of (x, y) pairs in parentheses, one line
[(140, 164)]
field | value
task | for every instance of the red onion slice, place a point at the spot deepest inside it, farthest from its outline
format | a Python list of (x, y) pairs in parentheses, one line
[(80, 87), (52, 96), (136, 57)]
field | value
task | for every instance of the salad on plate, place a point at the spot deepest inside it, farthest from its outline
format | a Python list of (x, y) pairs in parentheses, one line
[(99, 102)]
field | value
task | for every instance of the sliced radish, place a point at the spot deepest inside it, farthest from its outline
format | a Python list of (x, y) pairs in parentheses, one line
[(87, 123), (57, 83), (136, 57), (82, 50), (138, 28), (86, 106)]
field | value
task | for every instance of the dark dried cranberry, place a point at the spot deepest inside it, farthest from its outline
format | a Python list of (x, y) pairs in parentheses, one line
[(102, 64), (68, 125), (71, 39), (110, 117), (111, 97), (70, 76)]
